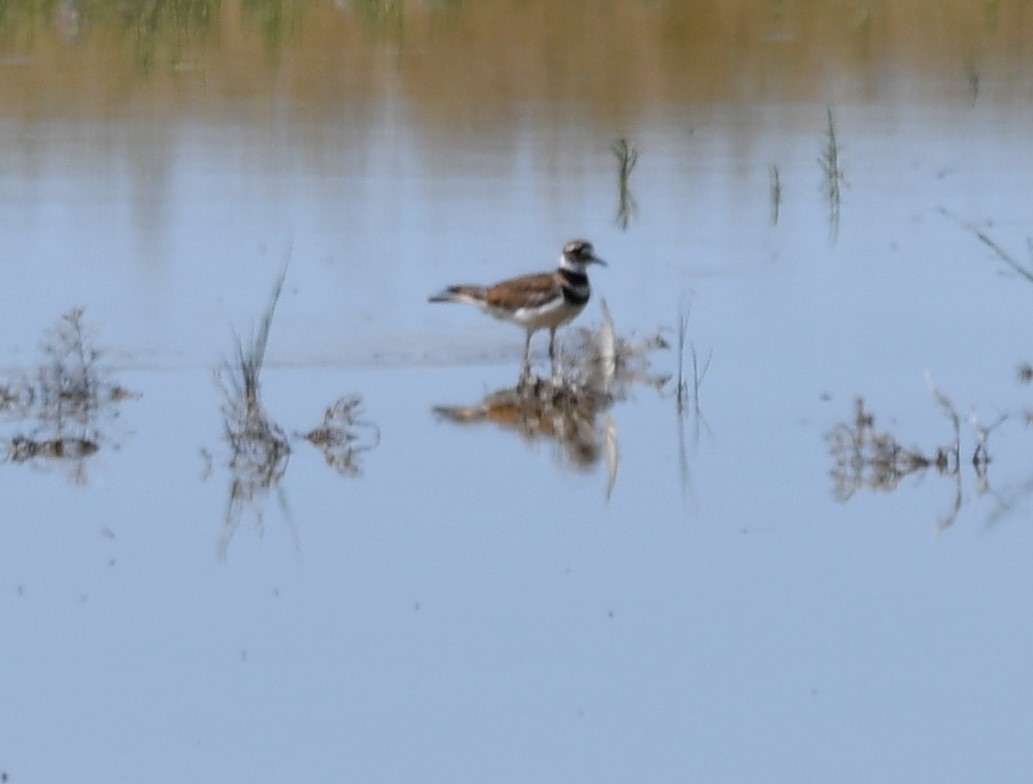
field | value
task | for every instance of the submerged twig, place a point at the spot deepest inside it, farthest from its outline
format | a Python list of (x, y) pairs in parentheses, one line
[(1006, 257), (1013, 263)]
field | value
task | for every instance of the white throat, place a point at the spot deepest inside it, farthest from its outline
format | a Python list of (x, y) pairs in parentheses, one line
[(572, 266)]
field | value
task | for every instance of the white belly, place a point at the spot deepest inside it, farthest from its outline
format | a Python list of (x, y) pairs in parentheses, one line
[(549, 316)]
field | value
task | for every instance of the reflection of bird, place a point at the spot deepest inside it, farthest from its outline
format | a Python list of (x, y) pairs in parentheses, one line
[(543, 409), (546, 300)]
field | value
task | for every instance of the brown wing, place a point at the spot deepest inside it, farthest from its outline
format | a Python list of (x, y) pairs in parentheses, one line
[(528, 291)]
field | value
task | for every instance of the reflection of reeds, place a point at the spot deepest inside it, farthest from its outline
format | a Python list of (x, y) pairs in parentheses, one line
[(394, 17), (22, 449), (509, 36), (162, 28), (867, 458), (259, 447), (833, 173), (873, 459), (775, 194), (156, 29), (260, 453), (972, 77), (682, 390), (69, 396), (343, 435), (627, 156), (275, 18), (383, 17), (698, 373)]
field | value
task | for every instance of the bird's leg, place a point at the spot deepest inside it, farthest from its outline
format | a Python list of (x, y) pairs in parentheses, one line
[(525, 373), (552, 353)]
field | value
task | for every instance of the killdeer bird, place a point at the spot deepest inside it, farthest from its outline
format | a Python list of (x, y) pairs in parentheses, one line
[(546, 300)]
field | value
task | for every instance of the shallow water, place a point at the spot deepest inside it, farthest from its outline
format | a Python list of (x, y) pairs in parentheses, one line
[(701, 597)]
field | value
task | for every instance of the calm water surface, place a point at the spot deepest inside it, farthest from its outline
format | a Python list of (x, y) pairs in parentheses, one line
[(764, 591)]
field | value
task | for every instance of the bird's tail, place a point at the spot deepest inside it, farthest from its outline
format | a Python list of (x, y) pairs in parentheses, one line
[(474, 295)]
